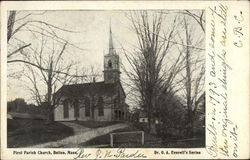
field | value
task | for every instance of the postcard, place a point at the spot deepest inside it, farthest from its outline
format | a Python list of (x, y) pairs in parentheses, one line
[(125, 80)]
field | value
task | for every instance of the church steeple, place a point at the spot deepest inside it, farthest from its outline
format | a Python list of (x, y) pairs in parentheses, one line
[(111, 45), (111, 63)]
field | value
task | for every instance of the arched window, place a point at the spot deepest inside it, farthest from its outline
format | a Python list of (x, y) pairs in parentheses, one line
[(65, 108), (118, 98), (100, 106), (87, 107), (76, 108), (109, 64), (115, 103)]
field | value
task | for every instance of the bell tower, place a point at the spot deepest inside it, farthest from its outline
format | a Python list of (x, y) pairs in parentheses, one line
[(111, 63)]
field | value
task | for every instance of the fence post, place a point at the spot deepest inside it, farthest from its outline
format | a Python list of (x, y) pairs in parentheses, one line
[(142, 138), (111, 139)]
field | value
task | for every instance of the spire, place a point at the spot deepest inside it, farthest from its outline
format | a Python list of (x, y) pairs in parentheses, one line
[(111, 46)]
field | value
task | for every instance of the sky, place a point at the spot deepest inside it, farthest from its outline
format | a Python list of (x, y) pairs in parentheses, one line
[(90, 33)]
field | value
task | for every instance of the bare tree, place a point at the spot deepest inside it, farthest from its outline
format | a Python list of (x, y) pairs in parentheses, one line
[(25, 22), (193, 79), (197, 15), (150, 74), (45, 69), (93, 73), (51, 72)]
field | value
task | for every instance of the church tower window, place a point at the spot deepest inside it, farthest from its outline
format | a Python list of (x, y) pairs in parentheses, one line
[(110, 64)]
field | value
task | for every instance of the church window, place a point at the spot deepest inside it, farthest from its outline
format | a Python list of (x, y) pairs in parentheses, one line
[(115, 103), (109, 64), (76, 108), (118, 97), (100, 107), (65, 109), (87, 107), (116, 114)]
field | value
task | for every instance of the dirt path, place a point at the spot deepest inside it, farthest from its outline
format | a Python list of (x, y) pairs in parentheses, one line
[(82, 134), (77, 128)]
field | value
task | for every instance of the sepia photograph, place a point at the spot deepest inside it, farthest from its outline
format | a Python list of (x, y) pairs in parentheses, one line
[(106, 78)]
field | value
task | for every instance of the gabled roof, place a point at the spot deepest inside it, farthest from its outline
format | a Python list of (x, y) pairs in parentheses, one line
[(97, 88)]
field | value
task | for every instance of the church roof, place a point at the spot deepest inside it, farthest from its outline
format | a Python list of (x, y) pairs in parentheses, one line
[(97, 88)]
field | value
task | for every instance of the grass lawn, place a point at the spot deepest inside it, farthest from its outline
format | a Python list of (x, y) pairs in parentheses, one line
[(95, 124), (27, 132), (134, 141), (125, 140), (197, 143)]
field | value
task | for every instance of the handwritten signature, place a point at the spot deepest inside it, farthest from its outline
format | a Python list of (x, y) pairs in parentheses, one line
[(238, 30), (100, 154)]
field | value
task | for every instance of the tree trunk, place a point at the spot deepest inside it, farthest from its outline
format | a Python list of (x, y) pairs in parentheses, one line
[(49, 118), (152, 129), (49, 94), (190, 125), (188, 84), (152, 126), (11, 22)]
